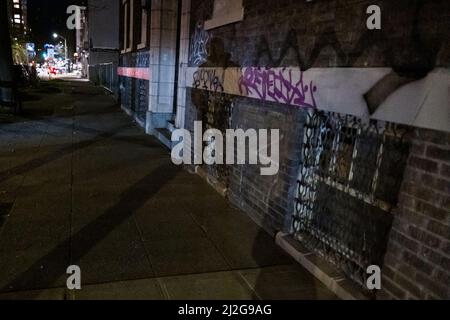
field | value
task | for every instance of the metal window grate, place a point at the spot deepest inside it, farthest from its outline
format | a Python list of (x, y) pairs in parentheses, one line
[(348, 184)]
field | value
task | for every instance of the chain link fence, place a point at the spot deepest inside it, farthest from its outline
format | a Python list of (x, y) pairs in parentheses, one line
[(349, 181)]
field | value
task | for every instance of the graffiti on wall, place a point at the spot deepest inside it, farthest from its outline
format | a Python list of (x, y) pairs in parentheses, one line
[(411, 59), (340, 90), (282, 85), (215, 110), (278, 85), (208, 79), (199, 45)]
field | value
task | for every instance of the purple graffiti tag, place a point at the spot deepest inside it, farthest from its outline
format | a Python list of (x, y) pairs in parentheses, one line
[(277, 86)]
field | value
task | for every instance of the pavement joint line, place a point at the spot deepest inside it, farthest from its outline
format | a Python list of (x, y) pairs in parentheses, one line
[(71, 187), (222, 254), (142, 240), (159, 280), (165, 292), (248, 285), (156, 278)]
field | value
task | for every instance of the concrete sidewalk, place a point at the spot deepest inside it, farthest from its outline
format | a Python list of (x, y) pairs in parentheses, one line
[(80, 184)]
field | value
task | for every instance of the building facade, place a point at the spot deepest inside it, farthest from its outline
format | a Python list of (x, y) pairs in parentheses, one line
[(82, 43), (103, 45), (148, 63), (363, 114), (19, 21)]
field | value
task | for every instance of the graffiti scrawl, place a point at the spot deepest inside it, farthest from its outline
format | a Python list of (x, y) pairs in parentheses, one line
[(277, 85), (208, 79), (199, 45)]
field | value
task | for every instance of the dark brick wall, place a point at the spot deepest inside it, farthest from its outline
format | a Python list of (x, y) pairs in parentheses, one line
[(324, 33), (268, 199), (135, 92), (333, 33), (417, 264)]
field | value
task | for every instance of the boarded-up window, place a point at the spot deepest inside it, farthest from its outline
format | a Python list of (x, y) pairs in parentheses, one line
[(128, 22), (225, 12)]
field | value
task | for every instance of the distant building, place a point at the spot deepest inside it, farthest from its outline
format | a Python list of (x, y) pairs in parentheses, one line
[(148, 70), (82, 43), (19, 19), (103, 22)]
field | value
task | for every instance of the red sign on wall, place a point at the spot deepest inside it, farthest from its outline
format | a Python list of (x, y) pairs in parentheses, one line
[(137, 73)]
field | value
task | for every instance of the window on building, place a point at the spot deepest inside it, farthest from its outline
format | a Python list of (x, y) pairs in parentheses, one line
[(225, 12), (348, 186), (128, 29), (144, 24)]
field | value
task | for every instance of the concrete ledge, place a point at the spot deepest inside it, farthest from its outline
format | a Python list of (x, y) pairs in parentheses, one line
[(164, 136), (130, 113), (157, 121), (220, 188), (126, 110), (321, 269)]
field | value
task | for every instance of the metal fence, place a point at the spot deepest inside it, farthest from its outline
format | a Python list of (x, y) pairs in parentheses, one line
[(348, 184), (104, 75)]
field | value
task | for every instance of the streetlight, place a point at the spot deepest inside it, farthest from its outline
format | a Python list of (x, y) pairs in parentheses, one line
[(56, 36)]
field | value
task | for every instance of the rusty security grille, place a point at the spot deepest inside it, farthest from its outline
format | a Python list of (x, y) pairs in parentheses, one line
[(348, 184)]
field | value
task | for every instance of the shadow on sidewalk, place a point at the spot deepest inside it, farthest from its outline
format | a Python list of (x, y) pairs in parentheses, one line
[(69, 149), (131, 200)]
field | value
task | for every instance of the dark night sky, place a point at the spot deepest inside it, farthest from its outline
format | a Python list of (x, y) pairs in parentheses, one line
[(48, 16)]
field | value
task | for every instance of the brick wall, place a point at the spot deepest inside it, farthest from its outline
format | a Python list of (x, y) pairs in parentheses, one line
[(329, 33), (268, 199), (417, 264)]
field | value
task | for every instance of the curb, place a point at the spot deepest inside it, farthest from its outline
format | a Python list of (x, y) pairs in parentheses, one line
[(325, 272)]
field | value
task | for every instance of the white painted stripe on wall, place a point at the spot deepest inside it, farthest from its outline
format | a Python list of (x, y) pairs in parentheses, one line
[(423, 103)]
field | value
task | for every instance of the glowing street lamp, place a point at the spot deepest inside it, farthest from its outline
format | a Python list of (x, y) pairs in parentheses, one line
[(56, 36)]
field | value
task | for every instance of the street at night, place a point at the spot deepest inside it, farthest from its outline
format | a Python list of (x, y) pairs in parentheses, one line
[(224, 150)]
